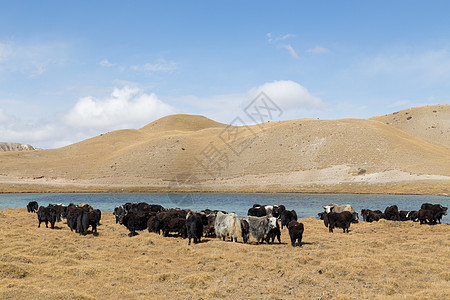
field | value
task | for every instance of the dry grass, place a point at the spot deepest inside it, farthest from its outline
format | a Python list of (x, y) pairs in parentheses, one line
[(428, 122), (376, 261)]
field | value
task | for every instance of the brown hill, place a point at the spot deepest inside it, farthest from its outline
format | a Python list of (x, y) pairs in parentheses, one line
[(181, 122), (193, 152), (430, 122)]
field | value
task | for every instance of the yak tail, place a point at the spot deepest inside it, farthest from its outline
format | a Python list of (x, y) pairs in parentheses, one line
[(326, 221), (83, 222), (236, 230)]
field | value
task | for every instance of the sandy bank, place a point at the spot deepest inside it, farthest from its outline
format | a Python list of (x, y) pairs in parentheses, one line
[(392, 182)]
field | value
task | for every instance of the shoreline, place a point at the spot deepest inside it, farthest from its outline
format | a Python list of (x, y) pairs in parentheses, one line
[(435, 187)]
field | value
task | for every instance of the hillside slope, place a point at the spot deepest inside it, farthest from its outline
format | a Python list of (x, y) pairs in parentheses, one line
[(276, 156), (428, 122)]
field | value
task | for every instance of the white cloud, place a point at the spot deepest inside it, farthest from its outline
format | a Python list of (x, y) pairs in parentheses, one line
[(90, 116), (273, 39), (160, 66), (128, 107), (39, 69), (293, 99), (20, 131), (287, 95), (124, 108), (31, 59), (318, 50), (222, 108), (105, 63), (277, 40), (290, 50)]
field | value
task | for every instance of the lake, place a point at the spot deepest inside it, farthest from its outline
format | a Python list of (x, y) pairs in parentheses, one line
[(305, 205)]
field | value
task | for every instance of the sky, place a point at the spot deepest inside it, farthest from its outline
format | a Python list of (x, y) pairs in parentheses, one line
[(71, 70)]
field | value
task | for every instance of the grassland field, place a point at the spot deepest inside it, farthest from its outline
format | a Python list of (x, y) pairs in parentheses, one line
[(381, 260)]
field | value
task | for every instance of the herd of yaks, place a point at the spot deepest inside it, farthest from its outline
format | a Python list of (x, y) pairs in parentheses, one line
[(343, 215), (263, 221), (79, 217)]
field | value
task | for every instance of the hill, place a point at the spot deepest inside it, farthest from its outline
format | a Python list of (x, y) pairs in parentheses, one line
[(428, 122), (181, 122), (187, 152), (15, 147)]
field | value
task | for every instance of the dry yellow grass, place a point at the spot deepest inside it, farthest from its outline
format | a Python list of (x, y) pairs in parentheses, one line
[(398, 260), (428, 122)]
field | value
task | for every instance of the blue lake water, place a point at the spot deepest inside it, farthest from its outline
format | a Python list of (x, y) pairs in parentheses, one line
[(305, 205)]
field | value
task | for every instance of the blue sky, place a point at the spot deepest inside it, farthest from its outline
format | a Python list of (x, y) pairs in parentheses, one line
[(70, 70)]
